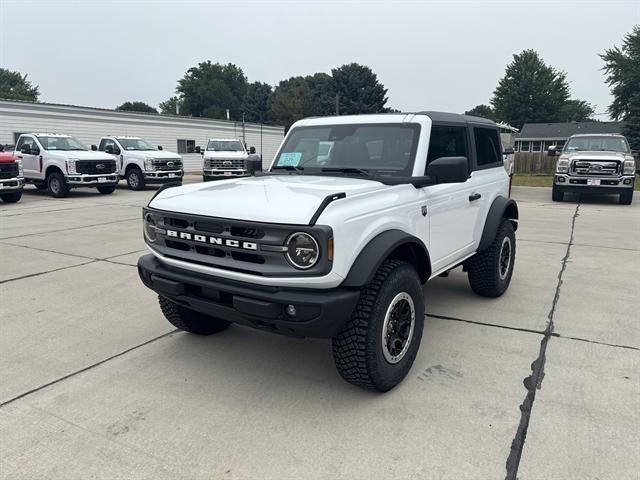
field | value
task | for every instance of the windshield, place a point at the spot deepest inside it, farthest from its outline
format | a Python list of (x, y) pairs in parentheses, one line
[(225, 146), (61, 143), (376, 149), (135, 144), (597, 143)]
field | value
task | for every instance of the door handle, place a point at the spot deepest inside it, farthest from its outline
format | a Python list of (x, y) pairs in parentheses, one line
[(474, 196), (19, 156)]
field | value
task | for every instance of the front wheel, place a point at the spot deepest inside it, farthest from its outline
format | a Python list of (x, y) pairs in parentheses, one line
[(490, 270), (106, 189), (56, 185), (190, 320), (135, 179), (11, 197), (379, 343), (626, 198)]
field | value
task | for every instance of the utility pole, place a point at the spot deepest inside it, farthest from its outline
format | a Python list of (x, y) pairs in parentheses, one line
[(244, 133), (227, 114)]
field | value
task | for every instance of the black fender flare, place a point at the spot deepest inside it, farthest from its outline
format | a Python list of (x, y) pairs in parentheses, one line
[(501, 207), (379, 249)]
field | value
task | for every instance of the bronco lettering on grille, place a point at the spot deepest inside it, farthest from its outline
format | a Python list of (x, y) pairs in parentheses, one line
[(226, 242)]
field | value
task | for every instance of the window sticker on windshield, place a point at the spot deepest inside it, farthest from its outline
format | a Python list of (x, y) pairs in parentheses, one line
[(290, 158)]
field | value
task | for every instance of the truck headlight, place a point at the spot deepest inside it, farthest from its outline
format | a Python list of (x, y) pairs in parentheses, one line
[(148, 165), (562, 165), (149, 228), (629, 167), (302, 250), (71, 165)]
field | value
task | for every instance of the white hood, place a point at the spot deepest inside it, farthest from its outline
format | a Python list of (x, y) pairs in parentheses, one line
[(288, 199), (225, 155), (79, 155)]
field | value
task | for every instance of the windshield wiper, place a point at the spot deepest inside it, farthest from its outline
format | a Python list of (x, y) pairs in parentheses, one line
[(360, 171), (289, 167)]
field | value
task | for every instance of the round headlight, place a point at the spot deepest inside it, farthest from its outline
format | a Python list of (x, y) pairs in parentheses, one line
[(150, 227), (302, 250)]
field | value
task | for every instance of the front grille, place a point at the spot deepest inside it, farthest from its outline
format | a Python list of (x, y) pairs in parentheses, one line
[(168, 164), (222, 163), (596, 167), (8, 170), (92, 167)]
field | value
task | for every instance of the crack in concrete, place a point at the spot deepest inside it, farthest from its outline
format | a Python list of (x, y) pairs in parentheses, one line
[(533, 382), (89, 367), (37, 274)]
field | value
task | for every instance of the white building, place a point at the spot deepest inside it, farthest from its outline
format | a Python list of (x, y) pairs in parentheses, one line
[(173, 133)]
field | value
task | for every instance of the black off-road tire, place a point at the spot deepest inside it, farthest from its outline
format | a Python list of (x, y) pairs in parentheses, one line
[(488, 276), (358, 350), (135, 179), (190, 320), (11, 197), (556, 194), (626, 198), (106, 189), (56, 185)]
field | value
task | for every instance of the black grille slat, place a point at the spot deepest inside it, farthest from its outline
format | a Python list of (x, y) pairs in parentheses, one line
[(8, 170), (596, 167), (224, 163), (163, 165), (90, 167)]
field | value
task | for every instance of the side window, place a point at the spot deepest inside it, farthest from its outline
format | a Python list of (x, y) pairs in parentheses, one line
[(26, 141), (488, 147), (186, 146), (447, 142), (107, 142), (102, 145)]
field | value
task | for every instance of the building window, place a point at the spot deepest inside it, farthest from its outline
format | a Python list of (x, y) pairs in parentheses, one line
[(16, 136), (524, 146), (560, 145), (515, 146), (536, 146), (186, 146)]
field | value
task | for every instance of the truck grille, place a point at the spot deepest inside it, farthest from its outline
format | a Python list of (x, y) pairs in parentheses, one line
[(93, 167), (8, 170), (168, 164), (223, 164), (596, 167)]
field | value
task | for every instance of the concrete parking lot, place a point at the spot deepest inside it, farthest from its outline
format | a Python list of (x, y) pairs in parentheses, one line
[(543, 383)]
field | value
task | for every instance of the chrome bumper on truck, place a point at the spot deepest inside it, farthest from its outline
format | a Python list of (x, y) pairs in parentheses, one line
[(11, 185), (594, 184), (84, 180), (214, 172), (296, 312), (163, 176)]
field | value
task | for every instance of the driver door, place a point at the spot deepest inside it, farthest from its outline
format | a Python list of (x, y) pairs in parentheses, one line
[(26, 150)]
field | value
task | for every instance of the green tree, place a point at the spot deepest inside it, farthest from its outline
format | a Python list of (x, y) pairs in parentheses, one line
[(256, 104), (169, 106), (484, 111), (530, 91), (358, 89), (291, 101), (136, 107), (576, 111), (622, 71), (15, 86), (209, 89), (631, 128)]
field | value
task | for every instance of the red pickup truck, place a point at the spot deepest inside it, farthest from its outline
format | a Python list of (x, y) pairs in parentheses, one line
[(11, 177)]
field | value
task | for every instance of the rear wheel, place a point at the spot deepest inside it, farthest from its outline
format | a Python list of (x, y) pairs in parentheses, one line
[(190, 320), (135, 179), (11, 197), (556, 194), (626, 198), (379, 343), (56, 185), (490, 271), (107, 189)]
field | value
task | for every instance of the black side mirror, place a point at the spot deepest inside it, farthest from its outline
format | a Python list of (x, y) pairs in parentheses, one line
[(198, 149), (449, 170), (94, 148), (509, 151), (252, 150), (552, 151), (159, 147), (26, 150), (254, 164)]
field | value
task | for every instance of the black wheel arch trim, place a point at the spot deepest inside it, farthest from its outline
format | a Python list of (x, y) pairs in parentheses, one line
[(501, 207), (378, 250)]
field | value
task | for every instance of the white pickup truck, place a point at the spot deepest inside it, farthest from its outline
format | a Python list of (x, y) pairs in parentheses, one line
[(140, 163), (59, 163), (224, 157), (338, 245)]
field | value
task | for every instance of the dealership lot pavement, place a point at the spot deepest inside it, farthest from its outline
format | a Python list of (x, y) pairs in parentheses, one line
[(543, 382)]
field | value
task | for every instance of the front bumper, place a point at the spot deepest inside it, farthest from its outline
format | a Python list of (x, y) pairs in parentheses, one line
[(163, 176), (319, 313), (11, 185), (84, 180), (214, 172), (608, 184)]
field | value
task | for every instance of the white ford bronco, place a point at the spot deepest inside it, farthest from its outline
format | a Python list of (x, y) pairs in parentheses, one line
[(61, 162), (224, 157), (140, 163), (339, 247), (595, 164)]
